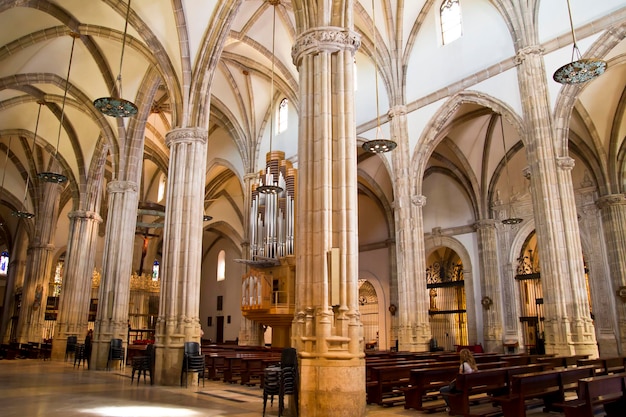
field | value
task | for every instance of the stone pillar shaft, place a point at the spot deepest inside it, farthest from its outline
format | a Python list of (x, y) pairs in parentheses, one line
[(114, 293), (613, 212), (490, 285), (413, 327), (179, 303), (568, 326), (37, 281), (327, 331), (75, 296)]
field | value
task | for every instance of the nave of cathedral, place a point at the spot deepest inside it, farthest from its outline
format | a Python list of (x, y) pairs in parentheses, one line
[(338, 177)]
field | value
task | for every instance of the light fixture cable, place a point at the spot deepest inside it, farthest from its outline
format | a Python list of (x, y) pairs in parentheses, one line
[(377, 145), (272, 188), (513, 219)]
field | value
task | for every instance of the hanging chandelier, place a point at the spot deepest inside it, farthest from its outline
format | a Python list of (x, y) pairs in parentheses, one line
[(580, 70), (57, 177), (117, 106), (379, 144)]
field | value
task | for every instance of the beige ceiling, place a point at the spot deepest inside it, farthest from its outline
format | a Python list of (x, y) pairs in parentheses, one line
[(170, 53)]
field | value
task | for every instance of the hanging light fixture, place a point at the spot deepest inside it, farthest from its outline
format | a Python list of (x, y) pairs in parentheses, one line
[(54, 176), (270, 180), (513, 219), (379, 144), (116, 106), (579, 70)]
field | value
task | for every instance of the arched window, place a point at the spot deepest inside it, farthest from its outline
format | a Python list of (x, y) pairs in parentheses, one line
[(221, 266), (283, 115), (155, 270), (451, 25), (162, 184), (58, 278), (4, 262)]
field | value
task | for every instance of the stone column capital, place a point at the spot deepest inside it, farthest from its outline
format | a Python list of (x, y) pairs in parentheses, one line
[(523, 53), (418, 200), (84, 214), (186, 135), (121, 186), (485, 224), (565, 163), (397, 110), (47, 247), (324, 39), (611, 200)]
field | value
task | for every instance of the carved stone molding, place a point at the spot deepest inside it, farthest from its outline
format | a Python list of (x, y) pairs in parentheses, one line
[(565, 163), (485, 224), (186, 135), (326, 39), (121, 186), (611, 200), (397, 110), (523, 53), (418, 200), (85, 214)]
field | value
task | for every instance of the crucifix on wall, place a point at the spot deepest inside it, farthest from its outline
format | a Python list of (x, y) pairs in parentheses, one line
[(144, 248)]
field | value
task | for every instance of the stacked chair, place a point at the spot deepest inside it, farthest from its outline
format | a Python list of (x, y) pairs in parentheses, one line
[(116, 352), (70, 348), (193, 362), (288, 378), (271, 385), (145, 364)]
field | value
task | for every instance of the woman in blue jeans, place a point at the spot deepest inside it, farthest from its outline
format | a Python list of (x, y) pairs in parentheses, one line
[(467, 366)]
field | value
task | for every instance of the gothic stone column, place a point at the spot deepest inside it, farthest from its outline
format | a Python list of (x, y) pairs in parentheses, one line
[(613, 211), (251, 333), (414, 326), (74, 301), (37, 282), (327, 330), (114, 293), (490, 284), (568, 326), (179, 320)]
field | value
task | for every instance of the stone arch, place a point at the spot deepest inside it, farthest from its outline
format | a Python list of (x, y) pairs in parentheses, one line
[(433, 242)]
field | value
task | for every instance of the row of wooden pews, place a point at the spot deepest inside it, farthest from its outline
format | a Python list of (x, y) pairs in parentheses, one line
[(511, 392), (238, 364)]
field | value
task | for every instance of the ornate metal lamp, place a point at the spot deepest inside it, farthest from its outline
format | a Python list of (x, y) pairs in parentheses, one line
[(582, 69), (270, 181), (54, 176), (116, 106), (513, 220), (379, 144)]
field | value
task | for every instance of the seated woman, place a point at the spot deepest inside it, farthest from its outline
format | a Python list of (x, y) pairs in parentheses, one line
[(467, 366)]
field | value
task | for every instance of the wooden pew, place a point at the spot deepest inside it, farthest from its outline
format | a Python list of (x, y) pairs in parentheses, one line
[(545, 387), (253, 369), (606, 391), (475, 388), (425, 383), (387, 383)]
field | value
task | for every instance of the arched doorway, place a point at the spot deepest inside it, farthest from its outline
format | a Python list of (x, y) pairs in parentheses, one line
[(446, 290), (368, 307)]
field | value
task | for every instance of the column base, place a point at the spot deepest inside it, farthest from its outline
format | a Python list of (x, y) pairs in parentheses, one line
[(332, 388)]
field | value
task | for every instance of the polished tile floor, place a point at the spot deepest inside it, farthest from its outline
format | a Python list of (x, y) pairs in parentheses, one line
[(35, 388)]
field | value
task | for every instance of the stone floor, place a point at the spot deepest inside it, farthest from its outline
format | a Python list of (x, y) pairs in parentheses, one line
[(33, 388)]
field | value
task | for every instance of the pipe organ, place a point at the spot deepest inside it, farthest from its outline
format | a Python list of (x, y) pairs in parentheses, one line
[(272, 214), (268, 287)]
